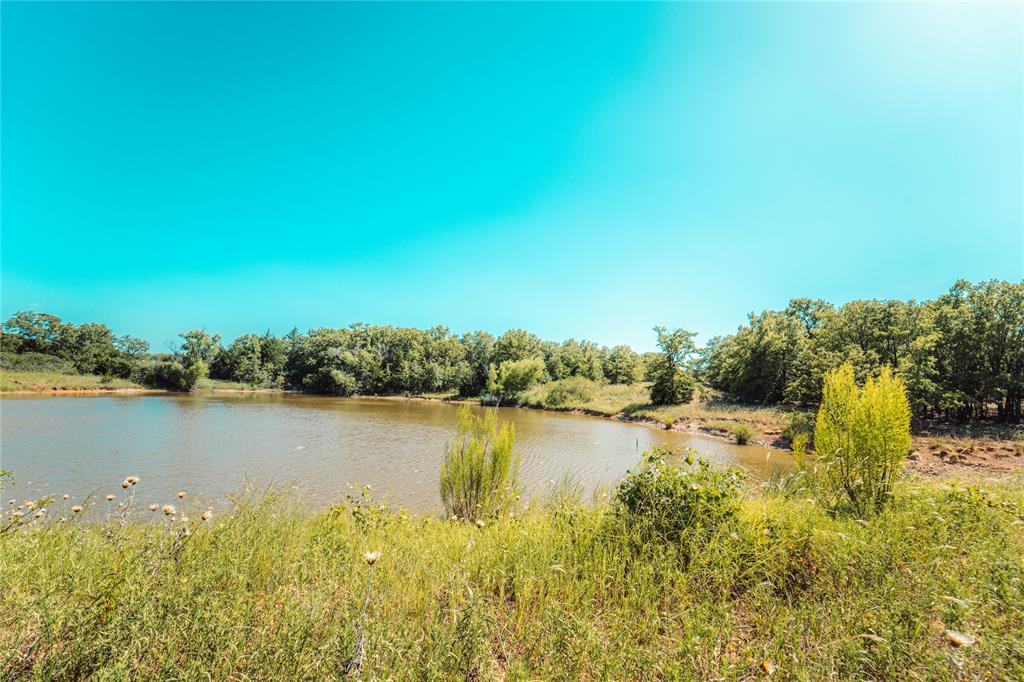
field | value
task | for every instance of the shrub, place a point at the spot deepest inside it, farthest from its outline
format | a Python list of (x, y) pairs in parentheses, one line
[(862, 436), (193, 374), (480, 470), (665, 503), (34, 362), (800, 423), (572, 391), (742, 433), (672, 385), (512, 377), (169, 375)]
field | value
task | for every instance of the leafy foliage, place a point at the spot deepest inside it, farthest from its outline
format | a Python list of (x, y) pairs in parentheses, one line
[(958, 355), (510, 379), (862, 436), (569, 391), (673, 371), (662, 503)]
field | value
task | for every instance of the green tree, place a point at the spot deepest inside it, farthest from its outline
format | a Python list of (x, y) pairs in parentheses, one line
[(511, 378), (198, 345), (515, 344), (623, 366), (673, 376), (478, 347)]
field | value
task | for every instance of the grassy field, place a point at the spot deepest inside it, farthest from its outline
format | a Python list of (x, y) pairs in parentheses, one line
[(634, 401), (45, 382), (13, 380), (268, 590)]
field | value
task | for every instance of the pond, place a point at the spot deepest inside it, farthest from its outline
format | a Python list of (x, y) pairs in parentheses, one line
[(214, 445)]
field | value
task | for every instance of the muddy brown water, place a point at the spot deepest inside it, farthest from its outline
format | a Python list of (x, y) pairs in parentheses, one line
[(212, 446)]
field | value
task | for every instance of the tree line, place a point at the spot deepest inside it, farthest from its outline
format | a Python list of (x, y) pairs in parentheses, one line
[(960, 355)]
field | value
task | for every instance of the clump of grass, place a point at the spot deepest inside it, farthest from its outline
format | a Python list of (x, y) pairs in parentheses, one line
[(742, 433), (480, 470)]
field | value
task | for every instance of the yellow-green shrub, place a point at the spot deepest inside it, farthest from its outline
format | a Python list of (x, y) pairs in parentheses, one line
[(862, 436)]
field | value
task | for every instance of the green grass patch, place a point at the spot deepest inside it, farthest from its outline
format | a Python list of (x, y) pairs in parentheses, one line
[(14, 380), (271, 590)]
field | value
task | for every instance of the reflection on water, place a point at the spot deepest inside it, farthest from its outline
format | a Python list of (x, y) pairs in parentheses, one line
[(211, 445)]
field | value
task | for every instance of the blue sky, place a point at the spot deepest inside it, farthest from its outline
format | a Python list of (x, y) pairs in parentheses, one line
[(580, 170)]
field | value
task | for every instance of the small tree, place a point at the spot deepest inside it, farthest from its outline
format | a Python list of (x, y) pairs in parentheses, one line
[(512, 377), (862, 436), (673, 380), (193, 374), (480, 470)]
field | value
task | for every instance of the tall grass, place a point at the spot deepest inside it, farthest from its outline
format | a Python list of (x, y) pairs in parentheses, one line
[(267, 590), (480, 470)]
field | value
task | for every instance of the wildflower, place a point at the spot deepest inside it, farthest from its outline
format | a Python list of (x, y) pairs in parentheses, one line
[(120, 505), (11, 502), (76, 509), (63, 519), (371, 557), (181, 494), (38, 514), (16, 515), (66, 496), (134, 480), (30, 505), (125, 483), (169, 510), (207, 515), (480, 523), (153, 507), (110, 498)]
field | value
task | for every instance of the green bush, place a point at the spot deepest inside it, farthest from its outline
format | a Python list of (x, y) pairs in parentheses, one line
[(193, 374), (862, 436), (800, 423), (662, 503), (572, 391), (169, 375), (672, 386), (507, 381), (35, 362), (742, 433), (480, 470)]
